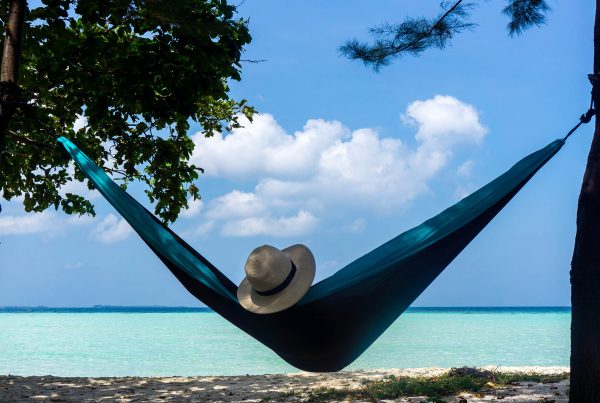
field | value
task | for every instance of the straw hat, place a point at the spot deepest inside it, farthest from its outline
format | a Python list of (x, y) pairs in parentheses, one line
[(276, 279)]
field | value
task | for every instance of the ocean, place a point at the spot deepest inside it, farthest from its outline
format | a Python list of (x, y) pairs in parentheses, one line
[(155, 341)]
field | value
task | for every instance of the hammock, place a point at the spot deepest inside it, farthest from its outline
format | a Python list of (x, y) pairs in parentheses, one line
[(341, 316)]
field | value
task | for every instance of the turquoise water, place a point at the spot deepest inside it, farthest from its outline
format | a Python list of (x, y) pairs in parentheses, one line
[(124, 341)]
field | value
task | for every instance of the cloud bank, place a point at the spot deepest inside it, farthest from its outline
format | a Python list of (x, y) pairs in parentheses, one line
[(299, 179), (300, 176), (29, 224), (111, 229)]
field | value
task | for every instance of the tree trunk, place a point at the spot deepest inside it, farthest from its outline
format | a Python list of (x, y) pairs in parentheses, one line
[(9, 91), (585, 266)]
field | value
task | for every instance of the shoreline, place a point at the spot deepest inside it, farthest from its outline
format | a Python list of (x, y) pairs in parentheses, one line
[(293, 387)]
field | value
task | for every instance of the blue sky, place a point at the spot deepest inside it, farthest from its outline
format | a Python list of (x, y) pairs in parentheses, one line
[(343, 159)]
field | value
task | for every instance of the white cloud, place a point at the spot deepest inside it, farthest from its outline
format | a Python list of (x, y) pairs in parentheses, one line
[(79, 220), (356, 226), (246, 214), (111, 229), (464, 170), (31, 223), (202, 229), (463, 191), (328, 265), (76, 265), (194, 208), (464, 173), (235, 204), (325, 166), (299, 224), (52, 223), (263, 147), (444, 121), (46, 222)]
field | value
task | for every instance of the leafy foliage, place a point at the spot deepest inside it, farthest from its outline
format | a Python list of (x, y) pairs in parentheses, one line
[(524, 14), (138, 71), (413, 36)]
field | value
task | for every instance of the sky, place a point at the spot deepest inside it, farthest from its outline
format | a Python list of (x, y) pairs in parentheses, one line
[(341, 158)]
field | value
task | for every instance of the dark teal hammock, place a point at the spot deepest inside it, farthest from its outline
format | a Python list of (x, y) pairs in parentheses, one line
[(341, 316)]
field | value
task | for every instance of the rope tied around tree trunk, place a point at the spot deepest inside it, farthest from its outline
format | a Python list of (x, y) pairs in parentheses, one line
[(591, 112)]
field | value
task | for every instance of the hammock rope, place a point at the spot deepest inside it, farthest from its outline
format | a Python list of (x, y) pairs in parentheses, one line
[(591, 112)]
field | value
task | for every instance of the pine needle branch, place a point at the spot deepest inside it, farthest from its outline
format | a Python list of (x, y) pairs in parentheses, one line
[(413, 36), (525, 14)]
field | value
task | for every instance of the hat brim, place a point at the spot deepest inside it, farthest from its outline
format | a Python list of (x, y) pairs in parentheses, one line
[(298, 287)]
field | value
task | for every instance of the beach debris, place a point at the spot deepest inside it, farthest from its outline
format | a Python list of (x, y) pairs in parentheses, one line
[(474, 372)]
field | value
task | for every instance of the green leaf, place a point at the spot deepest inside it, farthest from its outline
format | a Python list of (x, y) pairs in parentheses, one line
[(138, 72)]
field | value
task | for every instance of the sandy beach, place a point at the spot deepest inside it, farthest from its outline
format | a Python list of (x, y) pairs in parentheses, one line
[(294, 387)]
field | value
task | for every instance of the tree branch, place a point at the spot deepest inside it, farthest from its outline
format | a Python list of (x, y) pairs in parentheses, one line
[(9, 71), (414, 35), (524, 14), (23, 139), (11, 55), (253, 60)]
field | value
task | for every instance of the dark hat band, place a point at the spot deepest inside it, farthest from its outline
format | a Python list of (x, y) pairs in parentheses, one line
[(281, 286)]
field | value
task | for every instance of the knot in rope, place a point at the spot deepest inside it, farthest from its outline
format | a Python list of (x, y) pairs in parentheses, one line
[(586, 117)]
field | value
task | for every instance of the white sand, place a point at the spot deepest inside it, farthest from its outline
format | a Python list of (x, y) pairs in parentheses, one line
[(253, 388)]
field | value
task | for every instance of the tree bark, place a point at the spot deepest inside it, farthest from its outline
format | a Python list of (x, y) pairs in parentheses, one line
[(585, 266), (9, 71)]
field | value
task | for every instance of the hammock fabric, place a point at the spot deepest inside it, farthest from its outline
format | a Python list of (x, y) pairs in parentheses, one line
[(341, 316)]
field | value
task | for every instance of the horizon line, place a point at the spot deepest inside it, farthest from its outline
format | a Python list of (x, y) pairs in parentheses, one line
[(204, 308)]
